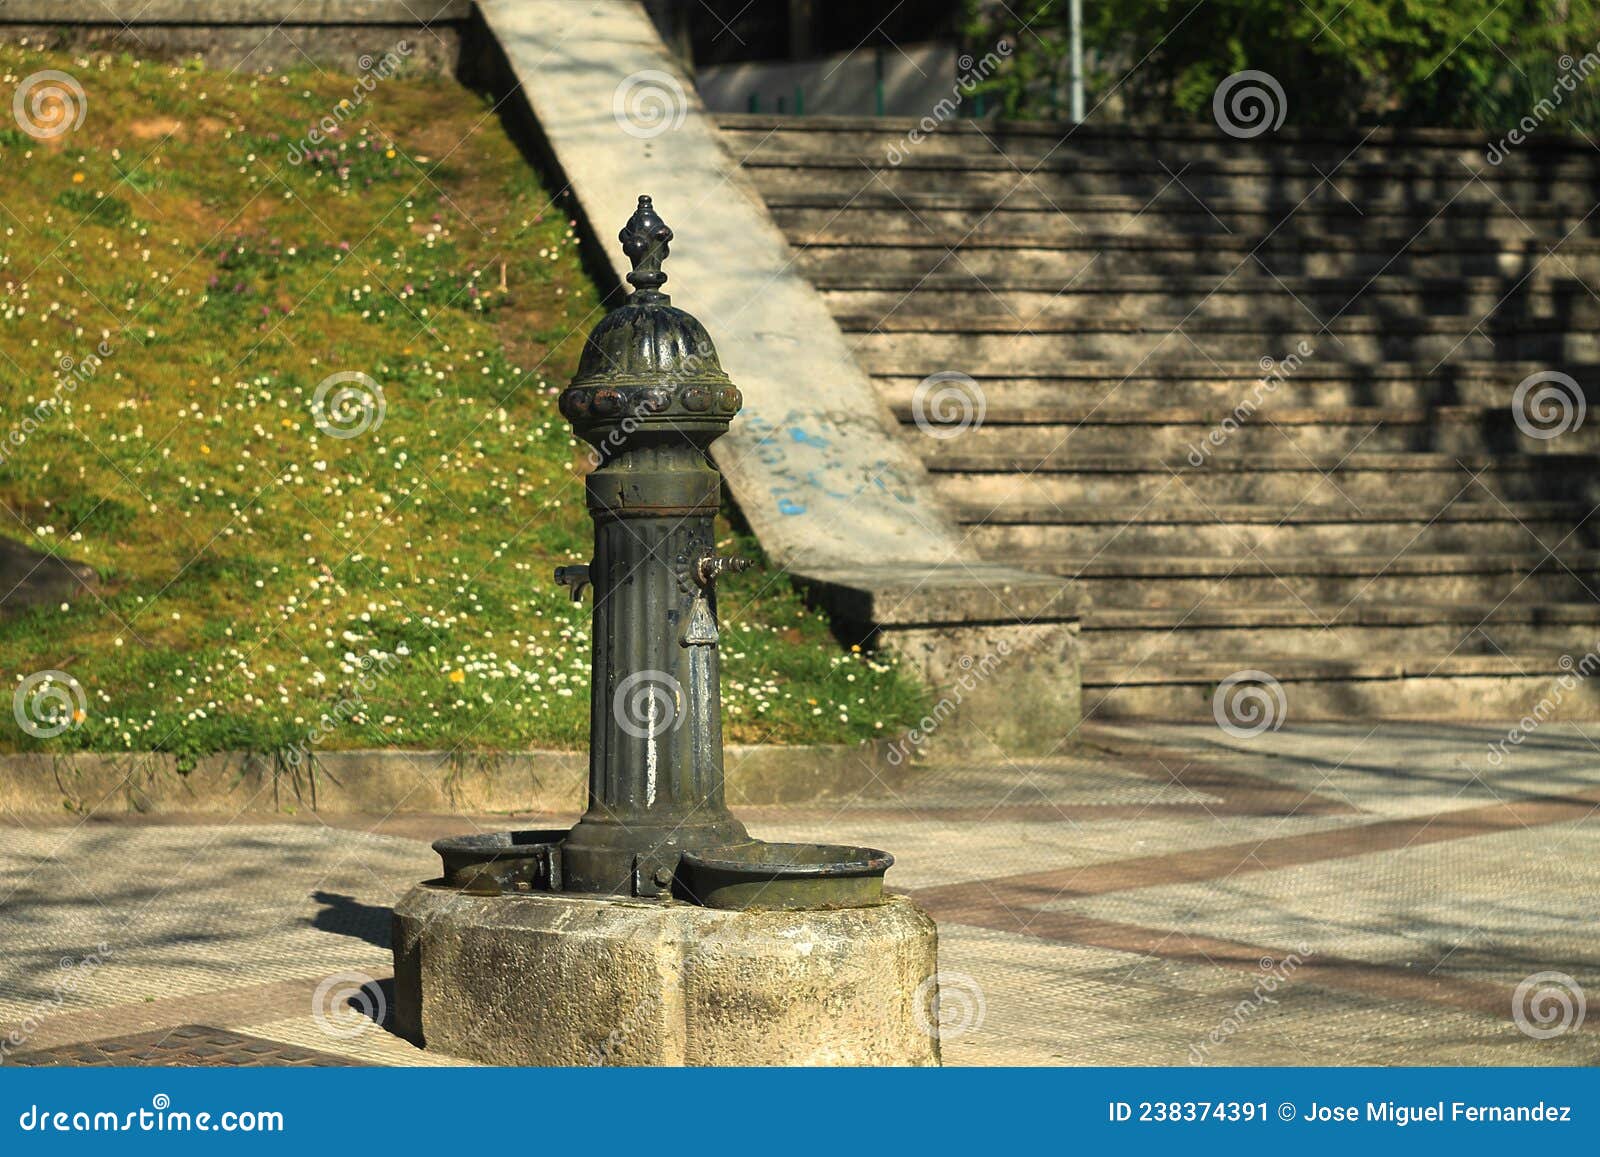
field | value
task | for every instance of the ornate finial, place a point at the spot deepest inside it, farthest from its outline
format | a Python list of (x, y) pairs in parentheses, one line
[(644, 239)]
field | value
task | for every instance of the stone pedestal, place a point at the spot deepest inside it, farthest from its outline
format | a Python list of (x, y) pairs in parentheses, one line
[(997, 647), (544, 979)]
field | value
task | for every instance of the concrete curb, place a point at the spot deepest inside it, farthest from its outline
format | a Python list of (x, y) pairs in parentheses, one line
[(383, 781)]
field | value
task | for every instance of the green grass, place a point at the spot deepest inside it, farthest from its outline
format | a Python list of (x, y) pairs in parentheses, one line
[(257, 571)]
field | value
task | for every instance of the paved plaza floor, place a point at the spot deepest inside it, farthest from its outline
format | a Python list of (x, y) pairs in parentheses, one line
[(1167, 894)]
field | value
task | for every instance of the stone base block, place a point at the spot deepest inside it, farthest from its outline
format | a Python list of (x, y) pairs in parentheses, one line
[(559, 980), (997, 647), (997, 688)]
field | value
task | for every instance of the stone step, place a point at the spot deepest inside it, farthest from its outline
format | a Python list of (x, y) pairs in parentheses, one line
[(1349, 313), (783, 150), (994, 348), (1423, 686), (1188, 437), (1036, 144), (1265, 300), (1015, 528), (1283, 478), (1086, 260), (993, 180), (1288, 382), (804, 218), (1187, 580), (1249, 633), (1095, 260)]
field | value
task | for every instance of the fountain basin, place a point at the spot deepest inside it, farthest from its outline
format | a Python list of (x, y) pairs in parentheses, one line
[(782, 877), (512, 861)]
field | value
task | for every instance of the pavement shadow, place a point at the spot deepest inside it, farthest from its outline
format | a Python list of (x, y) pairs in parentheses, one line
[(347, 916)]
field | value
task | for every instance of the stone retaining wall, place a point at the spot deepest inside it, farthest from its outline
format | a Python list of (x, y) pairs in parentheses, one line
[(382, 781), (253, 35)]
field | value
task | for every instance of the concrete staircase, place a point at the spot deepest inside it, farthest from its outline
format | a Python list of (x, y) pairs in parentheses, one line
[(1375, 531)]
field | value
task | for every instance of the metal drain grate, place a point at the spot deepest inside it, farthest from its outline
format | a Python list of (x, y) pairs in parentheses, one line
[(189, 1045)]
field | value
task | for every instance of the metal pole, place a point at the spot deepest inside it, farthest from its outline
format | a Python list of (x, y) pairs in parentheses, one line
[(650, 396), (1075, 19)]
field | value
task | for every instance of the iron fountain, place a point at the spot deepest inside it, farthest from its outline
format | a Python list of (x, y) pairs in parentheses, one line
[(657, 930)]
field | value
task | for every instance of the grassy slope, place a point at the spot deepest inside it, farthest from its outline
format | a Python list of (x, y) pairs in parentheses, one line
[(254, 566)]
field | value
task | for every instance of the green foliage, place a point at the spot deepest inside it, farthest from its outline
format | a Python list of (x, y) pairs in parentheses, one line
[(177, 292), (1464, 63), (94, 208), (1033, 80)]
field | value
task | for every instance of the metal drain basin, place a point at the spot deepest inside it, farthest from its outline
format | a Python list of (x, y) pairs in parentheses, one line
[(503, 861), (784, 876)]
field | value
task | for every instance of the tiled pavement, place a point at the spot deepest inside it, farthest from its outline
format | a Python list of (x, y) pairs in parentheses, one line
[(1323, 894)]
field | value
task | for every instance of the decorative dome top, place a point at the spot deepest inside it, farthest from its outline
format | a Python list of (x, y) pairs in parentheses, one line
[(647, 338), (647, 360)]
